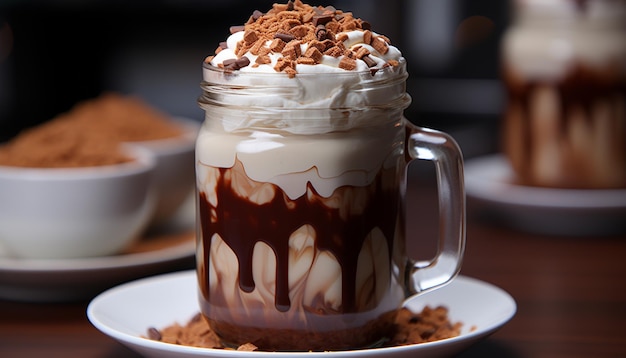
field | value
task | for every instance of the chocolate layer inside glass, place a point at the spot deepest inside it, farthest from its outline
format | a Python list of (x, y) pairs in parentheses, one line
[(354, 226)]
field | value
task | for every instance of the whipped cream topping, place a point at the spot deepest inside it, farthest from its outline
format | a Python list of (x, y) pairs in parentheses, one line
[(295, 37), (303, 42)]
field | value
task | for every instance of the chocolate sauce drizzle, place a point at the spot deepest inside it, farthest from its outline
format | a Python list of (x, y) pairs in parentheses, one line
[(241, 224)]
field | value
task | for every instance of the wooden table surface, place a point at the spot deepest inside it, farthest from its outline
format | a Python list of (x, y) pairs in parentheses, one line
[(570, 294)]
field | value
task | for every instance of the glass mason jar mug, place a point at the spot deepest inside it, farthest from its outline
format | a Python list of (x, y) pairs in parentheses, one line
[(301, 241)]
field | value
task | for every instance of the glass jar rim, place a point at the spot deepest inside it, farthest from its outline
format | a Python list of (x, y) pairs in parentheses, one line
[(306, 102)]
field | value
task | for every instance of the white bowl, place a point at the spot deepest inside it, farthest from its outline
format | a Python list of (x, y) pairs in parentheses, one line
[(76, 212), (175, 168)]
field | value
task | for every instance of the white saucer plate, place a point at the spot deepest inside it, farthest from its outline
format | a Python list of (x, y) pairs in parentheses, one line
[(62, 280), (489, 182), (127, 311)]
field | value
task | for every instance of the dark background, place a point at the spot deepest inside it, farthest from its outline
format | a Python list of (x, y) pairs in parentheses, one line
[(56, 53)]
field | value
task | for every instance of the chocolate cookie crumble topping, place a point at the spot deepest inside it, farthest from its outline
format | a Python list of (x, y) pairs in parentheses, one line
[(303, 34)]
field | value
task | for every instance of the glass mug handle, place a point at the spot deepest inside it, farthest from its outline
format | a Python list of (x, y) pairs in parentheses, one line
[(444, 152)]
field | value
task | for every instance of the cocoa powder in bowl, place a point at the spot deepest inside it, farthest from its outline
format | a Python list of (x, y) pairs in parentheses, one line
[(88, 135)]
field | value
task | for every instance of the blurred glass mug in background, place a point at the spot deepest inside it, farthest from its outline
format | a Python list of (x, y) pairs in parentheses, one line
[(301, 242), (564, 66)]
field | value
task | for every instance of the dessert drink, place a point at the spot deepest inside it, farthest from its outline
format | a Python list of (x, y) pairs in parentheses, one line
[(300, 174), (564, 65)]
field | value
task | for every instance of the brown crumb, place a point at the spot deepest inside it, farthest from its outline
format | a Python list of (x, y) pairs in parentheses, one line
[(362, 52), (342, 37), (249, 347), (347, 63), (334, 51), (305, 61), (263, 59), (431, 324), (277, 45), (314, 54), (379, 45)]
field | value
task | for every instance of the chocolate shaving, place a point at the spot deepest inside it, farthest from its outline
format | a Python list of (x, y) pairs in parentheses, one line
[(235, 29), (154, 334), (285, 37), (256, 15), (322, 19), (229, 62), (368, 61), (242, 62), (320, 32), (236, 64)]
